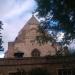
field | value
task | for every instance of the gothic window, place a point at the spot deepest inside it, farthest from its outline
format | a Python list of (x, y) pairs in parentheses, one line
[(35, 53)]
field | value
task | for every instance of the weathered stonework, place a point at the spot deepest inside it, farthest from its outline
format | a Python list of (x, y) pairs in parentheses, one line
[(51, 64), (24, 42)]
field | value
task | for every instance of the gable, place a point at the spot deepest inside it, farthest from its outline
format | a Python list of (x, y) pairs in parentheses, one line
[(29, 29)]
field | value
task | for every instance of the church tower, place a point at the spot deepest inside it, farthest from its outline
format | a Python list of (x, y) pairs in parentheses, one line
[(25, 44)]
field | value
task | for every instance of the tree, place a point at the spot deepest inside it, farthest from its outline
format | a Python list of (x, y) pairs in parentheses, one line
[(39, 71), (1, 47), (20, 72), (59, 16)]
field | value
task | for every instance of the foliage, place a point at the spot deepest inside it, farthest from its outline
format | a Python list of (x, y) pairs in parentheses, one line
[(20, 72), (72, 54), (1, 47), (44, 37), (60, 11), (38, 71)]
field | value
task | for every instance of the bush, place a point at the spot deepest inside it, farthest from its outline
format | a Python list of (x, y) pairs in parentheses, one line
[(39, 71)]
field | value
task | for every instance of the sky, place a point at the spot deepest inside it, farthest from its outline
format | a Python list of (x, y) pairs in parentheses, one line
[(14, 14)]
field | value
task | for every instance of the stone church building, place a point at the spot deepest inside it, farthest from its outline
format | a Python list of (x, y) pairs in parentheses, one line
[(25, 42), (27, 57)]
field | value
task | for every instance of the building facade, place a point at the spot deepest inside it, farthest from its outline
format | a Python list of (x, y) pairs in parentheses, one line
[(27, 57), (25, 42)]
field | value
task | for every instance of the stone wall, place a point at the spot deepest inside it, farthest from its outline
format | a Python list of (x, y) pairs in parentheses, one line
[(51, 64)]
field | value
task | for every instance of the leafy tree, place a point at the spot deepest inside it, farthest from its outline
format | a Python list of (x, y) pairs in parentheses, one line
[(38, 71), (1, 47), (20, 72), (59, 16)]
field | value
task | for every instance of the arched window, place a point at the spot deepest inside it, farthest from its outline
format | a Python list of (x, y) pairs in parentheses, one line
[(35, 53)]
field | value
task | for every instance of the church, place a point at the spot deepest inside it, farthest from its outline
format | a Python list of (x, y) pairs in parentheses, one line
[(26, 44), (27, 57)]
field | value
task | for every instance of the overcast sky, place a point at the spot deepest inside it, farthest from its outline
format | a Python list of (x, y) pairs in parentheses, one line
[(14, 14)]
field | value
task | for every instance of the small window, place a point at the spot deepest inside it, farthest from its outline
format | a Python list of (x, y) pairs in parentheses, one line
[(18, 54), (35, 53)]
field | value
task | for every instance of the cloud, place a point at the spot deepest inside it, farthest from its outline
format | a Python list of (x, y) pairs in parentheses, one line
[(5, 7), (16, 7), (1, 55), (25, 7), (14, 14), (72, 46)]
